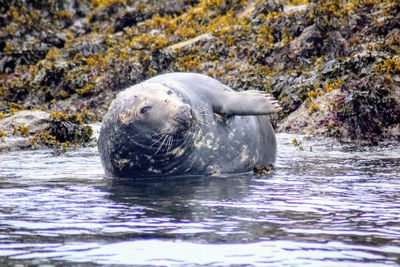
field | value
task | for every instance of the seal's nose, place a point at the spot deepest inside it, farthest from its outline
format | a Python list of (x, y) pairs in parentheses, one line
[(185, 116), (194, 116)]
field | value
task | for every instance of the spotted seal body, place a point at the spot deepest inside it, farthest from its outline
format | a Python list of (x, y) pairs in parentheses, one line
[(186, 124)]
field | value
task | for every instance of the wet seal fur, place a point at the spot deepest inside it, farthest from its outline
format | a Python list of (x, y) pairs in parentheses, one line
[(186, 124)]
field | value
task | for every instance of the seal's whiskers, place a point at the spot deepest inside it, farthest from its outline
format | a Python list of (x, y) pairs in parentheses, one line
[(158, 140), (170, 141), (186, 139), (202, 123), (202, 113), (162, 144)]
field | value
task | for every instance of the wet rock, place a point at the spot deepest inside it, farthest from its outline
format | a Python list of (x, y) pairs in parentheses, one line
[(307, 43), (365, 109), (8, 63), (122, 74), (312, 116), (81, 53), (334, 45), (142, 11), (129, 18), (268, 7), (180, 45), (35, 120), (38, 129), (290, 9), (292, 90), (19, 127), (370, 106), (392, 133), (330, 67), (95, 43)]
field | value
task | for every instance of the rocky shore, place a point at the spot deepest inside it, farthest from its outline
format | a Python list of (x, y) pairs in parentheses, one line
[(333, 65)]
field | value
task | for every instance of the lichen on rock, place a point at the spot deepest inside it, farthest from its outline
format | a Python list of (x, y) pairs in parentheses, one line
[(34, 129), (331, 59)]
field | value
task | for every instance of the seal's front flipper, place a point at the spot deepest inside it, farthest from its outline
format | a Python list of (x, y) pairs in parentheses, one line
[(246, 103)]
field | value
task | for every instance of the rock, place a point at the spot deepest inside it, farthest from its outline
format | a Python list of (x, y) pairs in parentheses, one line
[(35, 120), (7, 63), (334, 46), (392, 133), (19, 128), (330, 67), (75, 56), (38, 129), (312, 116), (291, 9), (13, 143), (292, 90), (306, 44), (363, 109), (203, 37)]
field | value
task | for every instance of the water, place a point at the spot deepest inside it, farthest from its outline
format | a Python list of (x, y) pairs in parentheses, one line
[(325, 205)]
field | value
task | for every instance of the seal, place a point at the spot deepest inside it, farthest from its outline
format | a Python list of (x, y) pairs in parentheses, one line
[(186, 124)]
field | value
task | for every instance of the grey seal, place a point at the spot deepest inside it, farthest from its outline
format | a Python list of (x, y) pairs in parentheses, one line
[(186, 124)]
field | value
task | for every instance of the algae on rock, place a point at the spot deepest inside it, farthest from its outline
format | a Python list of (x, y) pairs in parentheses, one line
[(81, 53)]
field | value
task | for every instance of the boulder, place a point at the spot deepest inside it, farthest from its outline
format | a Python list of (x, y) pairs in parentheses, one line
[(19, 127)]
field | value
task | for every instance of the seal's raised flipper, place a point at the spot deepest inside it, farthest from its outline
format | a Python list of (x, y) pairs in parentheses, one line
[(246, 103)]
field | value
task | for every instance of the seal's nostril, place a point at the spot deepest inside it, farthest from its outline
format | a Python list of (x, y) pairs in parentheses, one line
[(193, 114), (185, 116)]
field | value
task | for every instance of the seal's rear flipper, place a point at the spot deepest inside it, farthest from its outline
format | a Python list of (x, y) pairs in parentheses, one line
[(246, 103)]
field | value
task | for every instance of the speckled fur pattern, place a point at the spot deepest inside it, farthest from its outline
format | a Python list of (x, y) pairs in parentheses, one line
[(195, 126)]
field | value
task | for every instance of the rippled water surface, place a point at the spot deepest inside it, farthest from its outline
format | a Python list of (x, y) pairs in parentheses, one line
[(325, 205)]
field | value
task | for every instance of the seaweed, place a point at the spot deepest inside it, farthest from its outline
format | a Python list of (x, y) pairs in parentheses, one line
[(77, 57), (64, 130)]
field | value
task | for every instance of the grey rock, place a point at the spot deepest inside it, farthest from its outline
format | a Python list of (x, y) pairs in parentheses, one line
[(305, 44), (35, 120)]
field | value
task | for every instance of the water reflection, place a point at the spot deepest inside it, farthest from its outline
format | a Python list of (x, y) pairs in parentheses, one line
[(165, 196)]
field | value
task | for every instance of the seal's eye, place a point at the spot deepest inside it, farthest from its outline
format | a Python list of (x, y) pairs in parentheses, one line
[(169, 92), (145, 109)]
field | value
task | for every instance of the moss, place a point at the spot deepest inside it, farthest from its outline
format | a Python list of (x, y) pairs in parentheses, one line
[(52, 53), (313, 94), (8, 48), (21, 130), (114, 44), (313, 107), (389, 66), (65, 130), (88, 89), (106, 3), (329, 86), (24, 130), (297, 2), (62, 14), (14, 107), (59, 116), (44, 138)]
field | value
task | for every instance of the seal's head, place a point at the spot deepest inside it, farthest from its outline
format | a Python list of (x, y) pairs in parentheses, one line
[(153, 111)]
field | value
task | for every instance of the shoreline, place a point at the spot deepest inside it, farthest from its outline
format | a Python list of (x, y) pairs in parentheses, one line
[(334, 68)]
